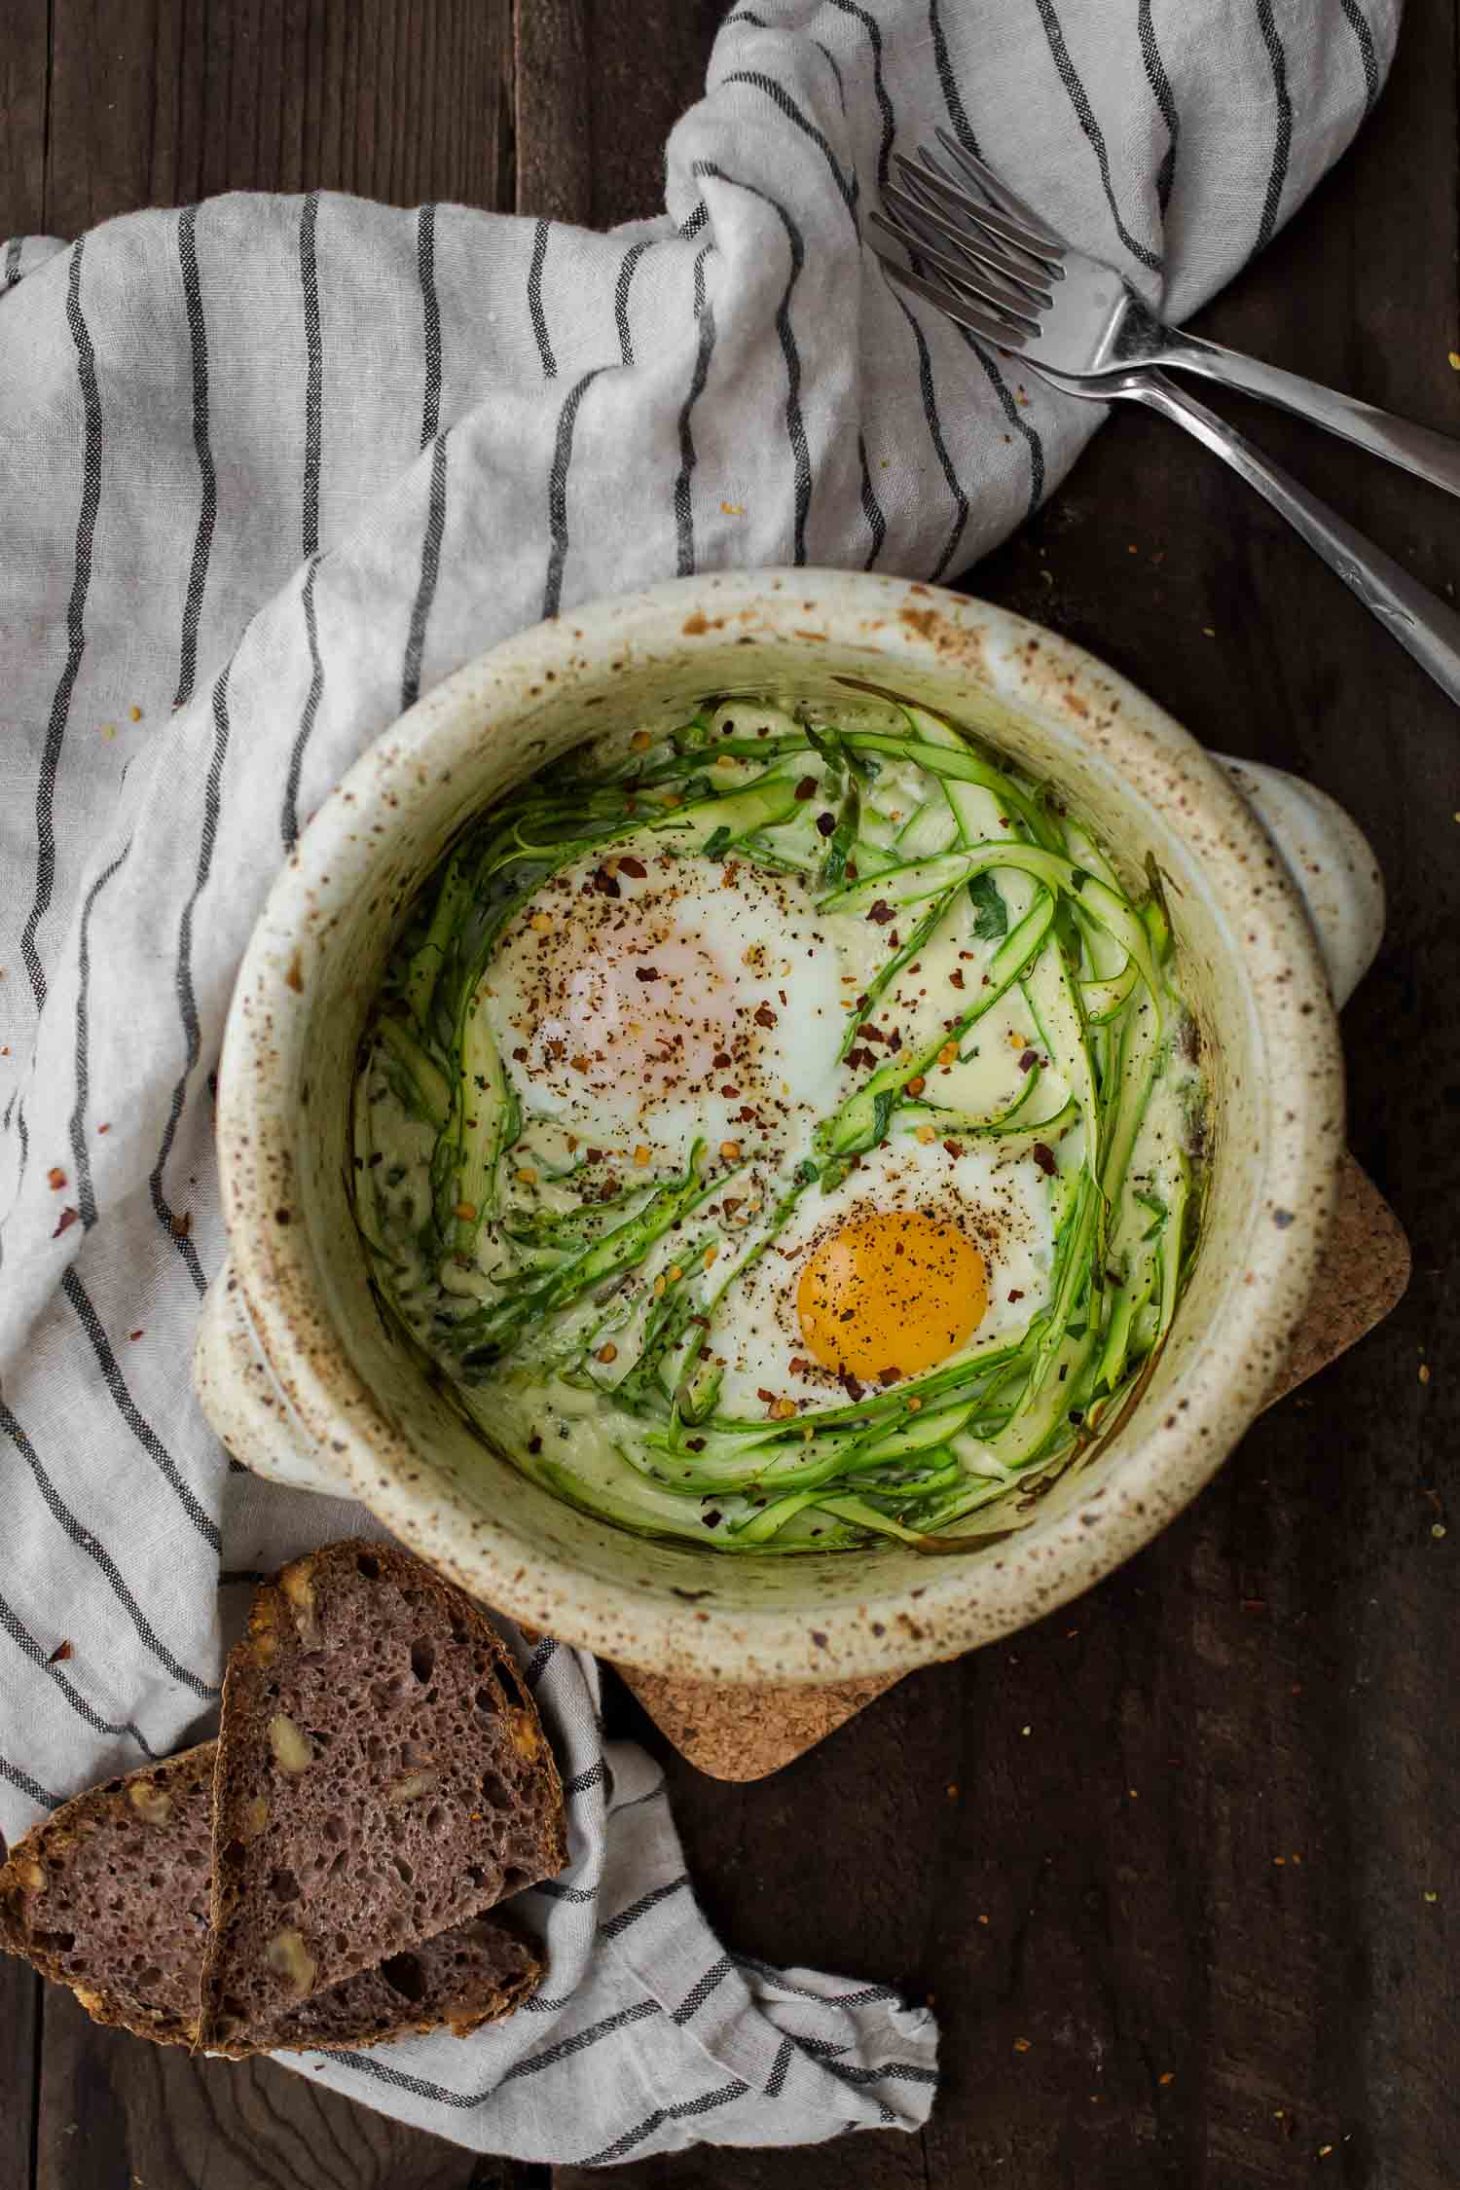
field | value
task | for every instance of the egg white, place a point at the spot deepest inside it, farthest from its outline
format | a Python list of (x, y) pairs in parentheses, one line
[(1001, 1204), (694, 1000)]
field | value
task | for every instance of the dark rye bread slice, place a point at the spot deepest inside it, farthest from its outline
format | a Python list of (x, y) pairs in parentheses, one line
[(382, 1776), (111, 1896)]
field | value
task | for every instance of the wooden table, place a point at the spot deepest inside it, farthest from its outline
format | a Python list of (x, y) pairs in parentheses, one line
[(1179, 1866)]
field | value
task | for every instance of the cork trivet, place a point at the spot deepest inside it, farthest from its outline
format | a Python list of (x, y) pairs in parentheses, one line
[(748, 1733)]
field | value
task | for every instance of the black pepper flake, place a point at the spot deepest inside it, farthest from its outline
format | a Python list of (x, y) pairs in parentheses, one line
[(646, 973), (534, 1444), (1044, 1157), (825, 824), (1029, 1060), (881, 912)]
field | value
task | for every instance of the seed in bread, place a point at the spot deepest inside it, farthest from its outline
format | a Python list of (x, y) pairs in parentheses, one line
[(382, 1777)]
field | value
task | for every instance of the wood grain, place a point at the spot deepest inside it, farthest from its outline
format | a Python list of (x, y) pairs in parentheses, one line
[(119, 2114), (20, 2041), (599, 87), (162, 101)]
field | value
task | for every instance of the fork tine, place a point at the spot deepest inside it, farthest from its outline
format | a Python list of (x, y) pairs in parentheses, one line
[(1020, 246), (981, 259), (952, 307), (1006, 302), (997, 190)]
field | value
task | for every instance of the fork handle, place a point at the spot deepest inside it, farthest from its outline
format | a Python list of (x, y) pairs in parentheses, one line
[(1422, 623), (1417, 449)]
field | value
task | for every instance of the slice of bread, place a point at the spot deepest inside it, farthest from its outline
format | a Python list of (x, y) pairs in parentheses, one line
[(111, 1896), (382, 1777)]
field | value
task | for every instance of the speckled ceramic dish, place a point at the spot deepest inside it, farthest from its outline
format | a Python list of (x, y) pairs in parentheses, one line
[(1277, 907)]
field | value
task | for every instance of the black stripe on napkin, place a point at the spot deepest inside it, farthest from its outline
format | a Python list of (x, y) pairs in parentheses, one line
[(696, 1997), (1014, 413), (175, 1226), (431, 321), (580, 2042), (686, 2110), (873, 29), (289, 820), (1164, 97), (97, 1551), (871, 507), (131, 1414), (1283, 136), (558, 492), (29, 1786), (25, 1642), (12, 264), (683, 506), (935, 430), (1358, 23), (534, 300), (781, 98), (80, 1152), (314, 371), (410, 683), (208, 496), (948, 83), (75, 628), (775, 2083), (641, 1907), (1085, 115), (831, 61), (208, 479), (631, 259), (786, 335)]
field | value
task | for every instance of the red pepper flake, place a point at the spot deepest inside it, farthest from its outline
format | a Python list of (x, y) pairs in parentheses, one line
[(765, 1016), (605, 883), (954, 1149), (955, 978), (68, 1218), (806, 788), (103, 1129), (519, 1056), (182, 1225), (646, 973), (1029, 1060), (55, 1178), (631, 866), (720, 1061), (135, 1334), (61, 1653), (1044, 1157), (881, 912)]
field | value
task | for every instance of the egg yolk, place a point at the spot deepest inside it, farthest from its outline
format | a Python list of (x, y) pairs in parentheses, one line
[(898, 1291)]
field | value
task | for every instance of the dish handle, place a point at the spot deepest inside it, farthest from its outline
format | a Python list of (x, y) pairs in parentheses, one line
[(247, 1408), (1330, 863)]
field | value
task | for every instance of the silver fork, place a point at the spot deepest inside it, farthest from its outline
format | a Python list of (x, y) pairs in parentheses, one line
[(980, 254)]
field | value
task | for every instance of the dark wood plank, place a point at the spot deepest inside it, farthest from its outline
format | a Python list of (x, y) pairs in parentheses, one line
[(22, 118), (158, 102), (20, 2040), (599, 87), (117, 2114)]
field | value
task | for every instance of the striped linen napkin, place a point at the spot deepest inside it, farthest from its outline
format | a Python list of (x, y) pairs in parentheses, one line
[(271, 467)]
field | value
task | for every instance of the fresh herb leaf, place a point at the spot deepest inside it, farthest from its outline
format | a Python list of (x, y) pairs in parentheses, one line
[(990, 913)]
